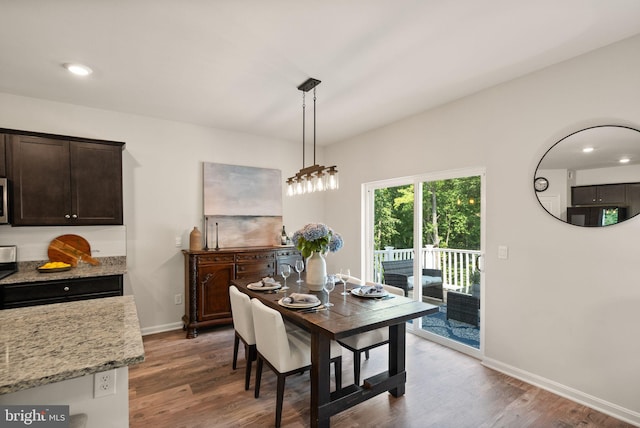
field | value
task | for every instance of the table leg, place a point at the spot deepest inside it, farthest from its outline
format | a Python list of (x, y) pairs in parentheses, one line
[(320, 378), (397, 348)]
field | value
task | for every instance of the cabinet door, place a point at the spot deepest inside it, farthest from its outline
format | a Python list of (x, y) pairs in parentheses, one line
[(584, 195), (213, 289), (96, 183), (39, 170), (611, 194)]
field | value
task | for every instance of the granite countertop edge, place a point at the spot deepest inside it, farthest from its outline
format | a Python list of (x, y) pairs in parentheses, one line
[(27, 271), (59, 377)]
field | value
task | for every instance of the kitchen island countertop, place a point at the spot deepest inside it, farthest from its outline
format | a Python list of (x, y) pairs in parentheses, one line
[(51, 343)]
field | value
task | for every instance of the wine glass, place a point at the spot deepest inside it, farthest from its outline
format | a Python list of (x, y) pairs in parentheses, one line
[(285, 271), (329, 286), (344, 277), (299, 268)]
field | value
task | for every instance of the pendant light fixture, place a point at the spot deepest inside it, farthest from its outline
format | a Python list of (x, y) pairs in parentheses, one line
[(314, 178)]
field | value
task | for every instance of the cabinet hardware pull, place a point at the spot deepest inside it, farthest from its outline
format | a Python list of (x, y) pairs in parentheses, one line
[(67, 216), (66, 289)]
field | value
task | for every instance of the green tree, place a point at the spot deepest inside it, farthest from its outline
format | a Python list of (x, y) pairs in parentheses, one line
[(451, 214)]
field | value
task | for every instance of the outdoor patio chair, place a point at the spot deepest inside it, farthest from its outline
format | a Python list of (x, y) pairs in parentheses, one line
[(399, 273), (463, 307)]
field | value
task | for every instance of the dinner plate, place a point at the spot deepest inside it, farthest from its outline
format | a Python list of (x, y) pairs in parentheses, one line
[(264, 287), (301, 305), (358, 292)]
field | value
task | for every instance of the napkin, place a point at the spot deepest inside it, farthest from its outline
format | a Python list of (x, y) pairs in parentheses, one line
[(300, 298), (372, 289), (265, 282)]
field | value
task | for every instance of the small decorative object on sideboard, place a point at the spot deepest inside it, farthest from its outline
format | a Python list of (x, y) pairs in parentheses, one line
[(283, 236), (314, 240), (195, 240)]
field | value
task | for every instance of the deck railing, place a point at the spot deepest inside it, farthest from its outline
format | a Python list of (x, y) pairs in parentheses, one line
[(456, 265)]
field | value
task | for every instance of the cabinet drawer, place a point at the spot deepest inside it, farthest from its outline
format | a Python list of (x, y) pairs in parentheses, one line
[(216, 258), (288, 253), (256, 256), (58, 291), (255, 269)]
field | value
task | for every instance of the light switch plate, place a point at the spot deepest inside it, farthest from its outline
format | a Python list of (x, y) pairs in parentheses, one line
[(503, 252)]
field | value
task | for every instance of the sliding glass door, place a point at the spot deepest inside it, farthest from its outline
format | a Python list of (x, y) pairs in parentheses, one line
[(425, 233)]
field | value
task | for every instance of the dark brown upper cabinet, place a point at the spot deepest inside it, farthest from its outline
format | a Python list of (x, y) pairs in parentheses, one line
[(605, 194), (64, 181), (3, 164)]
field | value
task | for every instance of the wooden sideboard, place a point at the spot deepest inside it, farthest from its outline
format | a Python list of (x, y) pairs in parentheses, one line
[(208, 275)]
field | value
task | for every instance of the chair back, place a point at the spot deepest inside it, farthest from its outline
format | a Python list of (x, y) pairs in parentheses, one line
[(354, 280), (271, 335), (389, 288), (242, 315)]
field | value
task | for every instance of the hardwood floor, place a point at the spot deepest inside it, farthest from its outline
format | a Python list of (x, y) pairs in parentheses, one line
[(190, 383)]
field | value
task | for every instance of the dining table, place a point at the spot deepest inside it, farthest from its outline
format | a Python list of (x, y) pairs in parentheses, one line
[(350, 314)]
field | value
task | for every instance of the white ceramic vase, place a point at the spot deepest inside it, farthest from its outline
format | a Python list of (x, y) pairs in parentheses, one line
[(316, 271)]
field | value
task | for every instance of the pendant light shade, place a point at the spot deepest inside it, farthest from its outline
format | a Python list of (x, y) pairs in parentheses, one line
[(314, 178)]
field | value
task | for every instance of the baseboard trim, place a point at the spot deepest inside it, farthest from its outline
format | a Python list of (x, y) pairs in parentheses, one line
[(618, 412), (161, 328)]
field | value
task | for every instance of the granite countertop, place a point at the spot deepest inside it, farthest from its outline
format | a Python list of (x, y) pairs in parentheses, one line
[(28, 272), (51, 343)]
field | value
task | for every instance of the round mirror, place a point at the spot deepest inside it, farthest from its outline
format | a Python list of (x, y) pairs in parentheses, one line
[(591, 178)]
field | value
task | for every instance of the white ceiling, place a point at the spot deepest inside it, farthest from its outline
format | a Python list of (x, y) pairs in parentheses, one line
[(236, 64)]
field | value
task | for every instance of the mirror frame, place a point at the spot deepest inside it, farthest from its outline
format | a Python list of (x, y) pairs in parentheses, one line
[(571, 173)]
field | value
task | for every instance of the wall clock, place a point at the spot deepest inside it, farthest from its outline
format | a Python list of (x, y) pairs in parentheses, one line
[(541, 184)]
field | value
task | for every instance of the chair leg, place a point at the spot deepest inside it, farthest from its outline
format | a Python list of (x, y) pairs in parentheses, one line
[(366, 354), (279, 398), (356, 367), (258, 376), (250, 352), (236, 343), (337, 368)]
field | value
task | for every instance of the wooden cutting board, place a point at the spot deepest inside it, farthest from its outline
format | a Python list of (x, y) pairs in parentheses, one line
[(70, 249)]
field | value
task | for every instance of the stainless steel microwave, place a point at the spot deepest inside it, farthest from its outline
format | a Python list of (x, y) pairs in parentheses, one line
[(4, 196)]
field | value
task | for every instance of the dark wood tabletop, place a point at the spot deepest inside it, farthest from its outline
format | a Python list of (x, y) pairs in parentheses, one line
[(350, 315)]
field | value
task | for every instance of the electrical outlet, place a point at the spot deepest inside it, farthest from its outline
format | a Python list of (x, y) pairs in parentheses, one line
[(178, 242), (104, 383), (177, 299)]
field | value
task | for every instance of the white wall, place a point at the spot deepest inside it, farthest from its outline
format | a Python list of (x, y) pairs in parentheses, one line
[(162, 174), (561, 311)]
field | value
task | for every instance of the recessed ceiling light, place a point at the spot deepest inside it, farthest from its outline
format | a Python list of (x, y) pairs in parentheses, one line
[(587, 150), (624, 160), (78, 69)]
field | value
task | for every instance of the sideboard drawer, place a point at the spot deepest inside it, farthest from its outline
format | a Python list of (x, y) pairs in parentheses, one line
[(217, 258), (266, 268), (255, 256)]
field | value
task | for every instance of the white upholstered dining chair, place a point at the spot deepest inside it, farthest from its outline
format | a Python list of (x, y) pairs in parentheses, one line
[(363, 342), (285, 352), (243, 326)]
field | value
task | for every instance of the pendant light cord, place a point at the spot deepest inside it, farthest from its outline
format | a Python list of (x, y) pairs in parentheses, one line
[(314, 126), (303, 126)]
